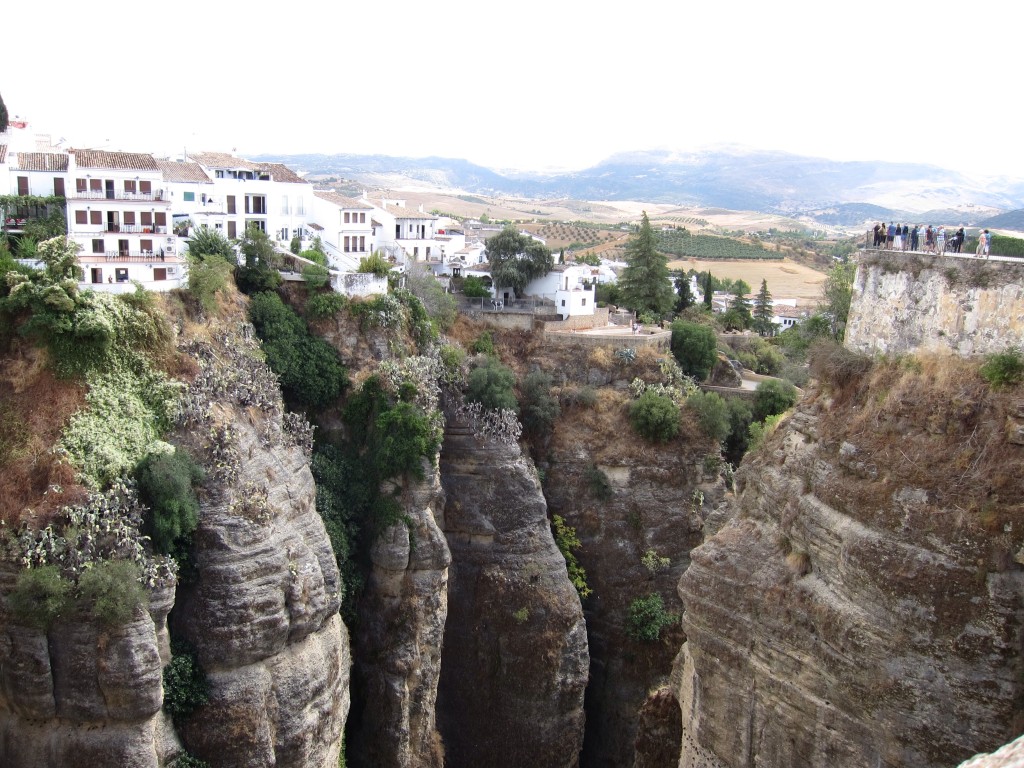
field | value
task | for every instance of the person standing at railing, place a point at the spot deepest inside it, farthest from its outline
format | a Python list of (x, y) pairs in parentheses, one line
[(984, 243), (878, 235), (940, 240), (915, 237), (890, 233), (958, 240), (897, 240), (906, 236)]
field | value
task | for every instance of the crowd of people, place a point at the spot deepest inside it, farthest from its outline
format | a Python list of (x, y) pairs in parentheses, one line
[(903, 237)]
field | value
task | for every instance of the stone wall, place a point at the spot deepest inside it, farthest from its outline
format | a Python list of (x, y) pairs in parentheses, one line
[(910, 302)]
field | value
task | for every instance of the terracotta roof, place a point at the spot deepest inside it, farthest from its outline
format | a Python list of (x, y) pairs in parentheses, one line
[(3, 153), (223, 160), (117, 161), (314, 225), (41, 161), (340, 200), (187, 172), (281, 172)]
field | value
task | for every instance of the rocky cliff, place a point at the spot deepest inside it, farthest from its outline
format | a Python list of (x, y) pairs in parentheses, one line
[(514, 659), (864, 605), (907, 302)]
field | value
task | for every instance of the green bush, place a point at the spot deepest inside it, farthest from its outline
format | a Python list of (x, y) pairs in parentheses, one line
[(484, 344), (1003, 369), (206, 278), (326, 304), (655, 417), (740, 418), (317, 257), (759, 431), (491, 384), (773, 397), (39, 596), (166, 484), (309, 369), (473, 287), (647, 617), (185, 685), (205, 242), (185, 760), (598, 483), (111, 593), (711, 413), (404, 435), (375, 264), (568, 542), (316, 276), (539, 408), (695, 347)]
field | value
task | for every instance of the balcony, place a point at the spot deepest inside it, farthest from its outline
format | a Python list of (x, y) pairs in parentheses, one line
[(138, 197), (132, 256), (135, 229)]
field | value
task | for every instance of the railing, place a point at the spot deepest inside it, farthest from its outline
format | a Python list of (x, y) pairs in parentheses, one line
[(141, 197), (529, 306), (131, 256), (135, 229)]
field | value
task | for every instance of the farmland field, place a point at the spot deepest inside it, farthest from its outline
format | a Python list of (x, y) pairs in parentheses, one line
[(786, 279)]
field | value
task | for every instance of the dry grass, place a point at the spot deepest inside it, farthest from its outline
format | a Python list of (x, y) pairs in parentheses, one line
[(786, 279)]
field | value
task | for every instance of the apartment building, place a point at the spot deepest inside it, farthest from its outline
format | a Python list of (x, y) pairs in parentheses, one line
[(345, 228)]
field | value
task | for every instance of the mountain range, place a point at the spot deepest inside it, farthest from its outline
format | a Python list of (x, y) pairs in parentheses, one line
[(831, 192)]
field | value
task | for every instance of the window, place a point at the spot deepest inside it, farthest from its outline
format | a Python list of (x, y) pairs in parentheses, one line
[(129, 218), (80, 185), (300, 207), (146, 246), (147, 219), (121, 274), (146, 187), (218, 174), (23, 185), (362, 218), (284, 206), (347, 244), (97, 275), (584, 303), (98, 247), (232, 230), (96, 185), (260, 224), (189, 197), (58, 187), (347, 217), (159, 273), (96, 217), (81, 217), (256, 204), (563, 302), (362, 243), (161, 218), (231, 204), (129, 186)]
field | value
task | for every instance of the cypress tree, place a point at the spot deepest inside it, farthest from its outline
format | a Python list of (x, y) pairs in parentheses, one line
[(644, 284)]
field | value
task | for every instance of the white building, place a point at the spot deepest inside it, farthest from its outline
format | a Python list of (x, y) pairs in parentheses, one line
[(269, 196), (404, 233), (570, 287), (345, 227), (119, 214), (36, 174), (191, 194)]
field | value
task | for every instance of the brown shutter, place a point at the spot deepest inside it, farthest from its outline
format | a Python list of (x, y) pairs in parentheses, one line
[(95, 185), (161, 218), (147, 219), (58, 187), (145, 187), (81, 217), (23, 185), (129, 186), (80, 185), (129, 218), (95, 217), (146, 245), (232, 233), (231, 204)]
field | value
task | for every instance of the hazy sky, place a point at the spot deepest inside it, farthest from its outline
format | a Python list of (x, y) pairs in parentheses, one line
[(526, 84)]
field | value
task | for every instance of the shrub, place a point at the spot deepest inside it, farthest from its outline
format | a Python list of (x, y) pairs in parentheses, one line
[(758, 431), (568, 542), (711, 413), (598, 483), (295, 246), (773, 397), (165, 482), (491, 384), (484, 344), (1003, 369), (39, 596), (835, 365), (316, 276), (584, 397), (185, 685), (655, 417), (205, 242), (539, 408), (404, 435), (647, 617), (317, 257), (375, 264), (473, 287), (326, 304), (111, 592), (695, 347), (738, 439)]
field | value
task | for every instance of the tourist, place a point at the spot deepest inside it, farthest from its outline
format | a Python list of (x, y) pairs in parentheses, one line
[(984, 243), (890, 233), (878, 235), (929, 239), (906, 236), (940, 240), (958, 240), (897, 240), (915, 236)]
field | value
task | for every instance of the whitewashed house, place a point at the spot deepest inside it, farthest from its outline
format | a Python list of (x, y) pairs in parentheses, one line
[(269, 196), (570, 287), (191, 194), (345, 228), (405, 233), (35, 174), (118, 212)]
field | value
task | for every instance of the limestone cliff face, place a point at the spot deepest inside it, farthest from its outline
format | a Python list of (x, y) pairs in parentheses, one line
[(398, 642), (655, 501), (848, 614), (904, 302), (82, 695), (263, 613), (514, 660)]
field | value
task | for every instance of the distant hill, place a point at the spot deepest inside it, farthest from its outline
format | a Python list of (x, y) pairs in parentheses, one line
[(827, 191), (1010, 220)]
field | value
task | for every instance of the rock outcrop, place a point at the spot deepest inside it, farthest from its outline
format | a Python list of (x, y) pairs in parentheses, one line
[(262, 613), (862, 607), (514, 660), (908, 302), (399, 638)]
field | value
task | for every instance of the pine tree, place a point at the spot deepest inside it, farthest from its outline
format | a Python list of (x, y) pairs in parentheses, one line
[(685, 298), (644, 284), (763, 311)]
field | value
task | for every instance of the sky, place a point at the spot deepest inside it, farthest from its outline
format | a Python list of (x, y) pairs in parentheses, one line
[(526, 85)]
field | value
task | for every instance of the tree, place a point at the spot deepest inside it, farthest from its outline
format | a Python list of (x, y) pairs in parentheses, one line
[(3, 115), (695, 347), (295, 246), (763, 311), (438, 303), (473, 287), (739, 316), (836, 295), (685, 296), (259, 272), (773, 397), (490, 384), (709, 290), (210, 242), (655, 417), (539, 408), (517, 259), (644, 283)]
